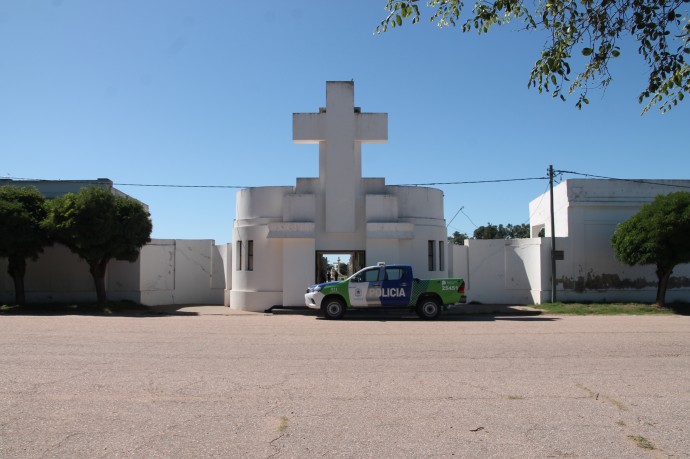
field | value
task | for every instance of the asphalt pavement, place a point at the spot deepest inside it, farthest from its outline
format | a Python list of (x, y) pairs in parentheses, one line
[(214, 382)]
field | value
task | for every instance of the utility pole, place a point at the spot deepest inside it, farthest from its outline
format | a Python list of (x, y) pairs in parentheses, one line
[(553, 240)]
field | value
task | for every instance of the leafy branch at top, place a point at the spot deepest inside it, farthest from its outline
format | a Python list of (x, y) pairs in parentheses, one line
[(590, 28)]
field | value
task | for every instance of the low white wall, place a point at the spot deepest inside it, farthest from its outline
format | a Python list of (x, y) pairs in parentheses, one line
[(58, 276), (502, 271), (180, 271), (167, 272), (458, 262)]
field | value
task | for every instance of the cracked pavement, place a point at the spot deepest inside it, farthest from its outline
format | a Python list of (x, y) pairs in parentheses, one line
[(281, 386)]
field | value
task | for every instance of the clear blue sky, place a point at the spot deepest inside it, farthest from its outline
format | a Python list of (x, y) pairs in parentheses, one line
[(202, 93)]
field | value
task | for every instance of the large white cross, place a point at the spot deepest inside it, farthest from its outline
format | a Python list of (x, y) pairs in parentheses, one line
[(340, 130)]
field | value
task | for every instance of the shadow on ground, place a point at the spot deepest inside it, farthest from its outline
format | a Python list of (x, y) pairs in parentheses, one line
[(116, 309), (465, 313)]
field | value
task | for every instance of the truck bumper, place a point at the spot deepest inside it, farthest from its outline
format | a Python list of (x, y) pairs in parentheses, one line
[(459, 304), (313, 299)]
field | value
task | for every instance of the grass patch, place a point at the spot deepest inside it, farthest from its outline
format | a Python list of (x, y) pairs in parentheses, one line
[(606, 309), (642, 442), (283, 423), (112, 308)]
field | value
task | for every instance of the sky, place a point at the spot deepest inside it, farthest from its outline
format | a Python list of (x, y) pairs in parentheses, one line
[(189, 93)]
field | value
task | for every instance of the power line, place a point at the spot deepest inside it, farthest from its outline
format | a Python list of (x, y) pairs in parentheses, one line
[(181, 186), (468, 217), (646, 182), (468, 182), (24, 179), (456, 214), (465, 182), (471, 182)]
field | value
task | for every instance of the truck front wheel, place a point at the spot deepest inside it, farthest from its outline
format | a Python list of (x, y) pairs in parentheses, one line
[(428, 308), (334, 308)]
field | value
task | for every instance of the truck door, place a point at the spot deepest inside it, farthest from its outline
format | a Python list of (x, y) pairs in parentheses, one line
[(396, 287), (365, 288)]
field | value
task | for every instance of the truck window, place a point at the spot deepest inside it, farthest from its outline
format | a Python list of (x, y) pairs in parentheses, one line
[(395, 273), (370, 275)]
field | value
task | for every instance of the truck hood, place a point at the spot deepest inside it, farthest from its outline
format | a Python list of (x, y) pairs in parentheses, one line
[(325, 284)]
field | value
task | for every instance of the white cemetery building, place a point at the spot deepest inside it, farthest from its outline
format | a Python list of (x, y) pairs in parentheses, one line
[(283, 235), (286, 237)]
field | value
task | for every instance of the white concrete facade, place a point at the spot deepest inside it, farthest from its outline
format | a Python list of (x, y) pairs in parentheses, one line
[(278, 231), (586, 213)]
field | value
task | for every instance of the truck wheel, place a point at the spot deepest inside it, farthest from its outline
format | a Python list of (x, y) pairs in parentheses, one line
[(428, 308), (334, 308)]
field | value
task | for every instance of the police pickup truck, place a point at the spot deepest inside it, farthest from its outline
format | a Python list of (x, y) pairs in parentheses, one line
[(386, 286)]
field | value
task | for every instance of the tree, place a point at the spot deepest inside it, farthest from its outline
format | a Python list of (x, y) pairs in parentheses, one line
[(594, 29), (99, 226), (458, 238), (22, 236), (657, 235), (502, 232)]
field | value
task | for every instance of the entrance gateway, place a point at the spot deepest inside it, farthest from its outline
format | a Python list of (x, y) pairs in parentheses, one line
[(284, 237), (334, 265)]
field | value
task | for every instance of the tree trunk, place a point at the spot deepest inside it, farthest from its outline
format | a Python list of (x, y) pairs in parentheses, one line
[(16, 268), (663, 273), (98, 269)]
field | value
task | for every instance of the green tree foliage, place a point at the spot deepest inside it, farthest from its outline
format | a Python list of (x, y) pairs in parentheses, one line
[(458, 238), (657, 235), (99, 226), (593, 29), (502, 232), (22, 236)]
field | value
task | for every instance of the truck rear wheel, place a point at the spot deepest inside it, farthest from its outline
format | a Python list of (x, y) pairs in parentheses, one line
[(428, 308), (334, 308)]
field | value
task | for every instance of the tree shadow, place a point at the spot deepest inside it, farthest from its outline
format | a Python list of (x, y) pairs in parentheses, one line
[(111, 309), (682, 309)]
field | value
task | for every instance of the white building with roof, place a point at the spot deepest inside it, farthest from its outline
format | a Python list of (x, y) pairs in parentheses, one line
[(283, 235), (586, 212)]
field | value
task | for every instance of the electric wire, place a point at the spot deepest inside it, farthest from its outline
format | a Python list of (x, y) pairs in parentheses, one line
[(24, 179), (472, 182), (467, 182), (646, 182), (464, 182)]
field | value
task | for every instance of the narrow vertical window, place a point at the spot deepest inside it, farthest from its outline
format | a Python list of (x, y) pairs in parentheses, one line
[(441, 257), (238, 255), (250, 255), (432, 256)]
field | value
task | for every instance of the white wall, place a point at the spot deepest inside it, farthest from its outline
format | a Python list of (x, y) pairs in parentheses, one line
[(587, 212), (167, 272), (180, 271), (299, 265), (501, 271)]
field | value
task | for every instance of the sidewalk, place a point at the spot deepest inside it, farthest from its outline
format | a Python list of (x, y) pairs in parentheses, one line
[(198, 310), (209, 310)]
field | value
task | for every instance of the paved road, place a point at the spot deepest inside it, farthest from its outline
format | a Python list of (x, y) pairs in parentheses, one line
[(255, 385)]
